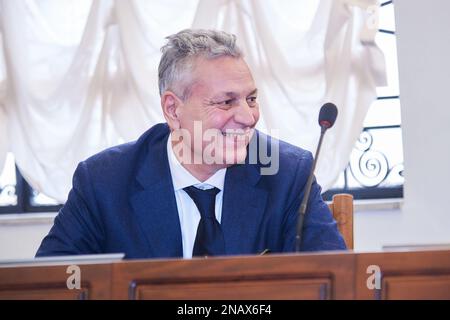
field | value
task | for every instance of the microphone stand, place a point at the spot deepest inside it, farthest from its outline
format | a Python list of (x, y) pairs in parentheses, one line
[(304, 204)]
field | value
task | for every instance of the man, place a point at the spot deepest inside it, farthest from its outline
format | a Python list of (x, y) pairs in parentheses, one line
[(192, 187)]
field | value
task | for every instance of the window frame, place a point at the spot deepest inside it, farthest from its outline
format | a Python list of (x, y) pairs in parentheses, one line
[(24, 199), (367, 192)]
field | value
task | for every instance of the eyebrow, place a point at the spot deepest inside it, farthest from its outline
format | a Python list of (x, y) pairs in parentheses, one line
[(232, 94)]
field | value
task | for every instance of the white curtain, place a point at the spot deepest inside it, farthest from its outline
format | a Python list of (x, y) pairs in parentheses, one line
[(80, 76)]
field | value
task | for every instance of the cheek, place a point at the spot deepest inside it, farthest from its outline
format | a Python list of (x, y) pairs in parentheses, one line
[(189, 116), (255, 112), (184, 116), (218, 119)]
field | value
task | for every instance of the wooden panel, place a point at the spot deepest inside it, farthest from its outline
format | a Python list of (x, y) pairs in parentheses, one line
[(32, 293), (405, 275), (49, 282), (416, 287), (303, 276), (296, 289)]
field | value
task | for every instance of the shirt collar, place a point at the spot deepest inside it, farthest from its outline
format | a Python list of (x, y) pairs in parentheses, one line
[(181, 178)]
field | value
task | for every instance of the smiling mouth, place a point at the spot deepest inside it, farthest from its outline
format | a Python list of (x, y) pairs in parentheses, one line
[(236, 133)]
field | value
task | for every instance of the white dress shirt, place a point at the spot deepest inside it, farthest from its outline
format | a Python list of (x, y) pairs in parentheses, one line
[(187, 210)]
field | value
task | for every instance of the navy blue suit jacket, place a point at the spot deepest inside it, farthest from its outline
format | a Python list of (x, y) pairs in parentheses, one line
[(123, 200)]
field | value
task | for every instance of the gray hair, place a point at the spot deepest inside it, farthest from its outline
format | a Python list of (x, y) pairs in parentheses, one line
[(179, 53)]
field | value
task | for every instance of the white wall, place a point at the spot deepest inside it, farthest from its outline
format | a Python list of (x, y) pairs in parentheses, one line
[(423, 35), (21, 235), (423, 46)]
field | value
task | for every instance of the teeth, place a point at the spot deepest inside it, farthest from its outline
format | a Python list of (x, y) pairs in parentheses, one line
[(238, 133), (233, 134)]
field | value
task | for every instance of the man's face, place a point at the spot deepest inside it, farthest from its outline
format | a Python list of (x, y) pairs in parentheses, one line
[(223, 103)]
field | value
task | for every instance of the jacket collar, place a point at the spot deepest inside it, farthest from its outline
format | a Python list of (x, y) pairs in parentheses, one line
[(154, 203)]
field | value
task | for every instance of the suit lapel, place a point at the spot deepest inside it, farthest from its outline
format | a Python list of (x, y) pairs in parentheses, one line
[(243, 208), (154, 204)]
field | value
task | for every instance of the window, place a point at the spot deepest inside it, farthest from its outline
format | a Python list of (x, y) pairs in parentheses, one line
[(375, 168), (17, 196)]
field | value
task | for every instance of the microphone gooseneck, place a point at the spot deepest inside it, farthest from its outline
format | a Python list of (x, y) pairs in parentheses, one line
[(327, 117)]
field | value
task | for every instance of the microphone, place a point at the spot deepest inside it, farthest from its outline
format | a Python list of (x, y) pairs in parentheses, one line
[(327, 117)]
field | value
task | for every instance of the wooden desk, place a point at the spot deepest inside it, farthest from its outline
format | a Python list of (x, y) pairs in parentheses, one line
[(314, 276), (333, 275), (405, 275), (49, 282)]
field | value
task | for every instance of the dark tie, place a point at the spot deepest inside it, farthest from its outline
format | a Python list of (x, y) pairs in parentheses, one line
[(209, 239)]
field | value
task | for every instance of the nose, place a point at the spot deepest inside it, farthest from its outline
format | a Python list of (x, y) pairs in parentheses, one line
[(244, 115)]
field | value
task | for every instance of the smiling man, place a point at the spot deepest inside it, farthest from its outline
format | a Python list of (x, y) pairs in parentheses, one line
[(220, 100), (196, 185)]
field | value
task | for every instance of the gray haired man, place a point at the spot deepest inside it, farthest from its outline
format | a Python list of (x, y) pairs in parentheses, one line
[(186, 187)]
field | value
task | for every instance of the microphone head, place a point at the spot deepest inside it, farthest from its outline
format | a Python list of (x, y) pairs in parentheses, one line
[(327, 115)]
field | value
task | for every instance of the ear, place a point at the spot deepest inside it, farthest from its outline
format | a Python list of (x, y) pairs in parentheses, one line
[(170, 104)]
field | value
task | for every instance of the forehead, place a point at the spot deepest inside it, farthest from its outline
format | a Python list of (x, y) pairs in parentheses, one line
[(222, 75)]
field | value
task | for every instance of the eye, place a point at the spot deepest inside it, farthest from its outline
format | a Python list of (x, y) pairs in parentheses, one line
[(252, 101), (225, 103)]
